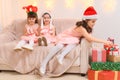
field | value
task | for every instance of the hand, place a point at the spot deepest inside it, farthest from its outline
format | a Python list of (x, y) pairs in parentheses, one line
[(109, 43)]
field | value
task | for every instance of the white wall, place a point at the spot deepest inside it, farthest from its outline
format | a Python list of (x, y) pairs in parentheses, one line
[(106, 25)]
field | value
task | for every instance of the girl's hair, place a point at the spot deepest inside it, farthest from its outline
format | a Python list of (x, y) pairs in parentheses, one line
[(84, 24), (46, 13), (33, 15)]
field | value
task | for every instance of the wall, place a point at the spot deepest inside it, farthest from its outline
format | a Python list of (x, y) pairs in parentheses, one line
[(106, 25)]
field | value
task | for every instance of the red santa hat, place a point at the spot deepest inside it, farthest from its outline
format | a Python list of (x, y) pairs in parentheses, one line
[(90, 13)]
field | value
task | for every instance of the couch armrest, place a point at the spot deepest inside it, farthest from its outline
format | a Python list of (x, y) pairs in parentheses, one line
[(7, 34), (6, 37), (84, 55)]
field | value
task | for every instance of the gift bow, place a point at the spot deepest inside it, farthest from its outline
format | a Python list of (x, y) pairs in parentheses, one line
[(111, 39), (111, 48)]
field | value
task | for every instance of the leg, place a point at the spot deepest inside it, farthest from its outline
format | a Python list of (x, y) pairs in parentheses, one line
[(39, 42), (30, 45), (67, 49), (20, 44), (45, 41), (52, 52)]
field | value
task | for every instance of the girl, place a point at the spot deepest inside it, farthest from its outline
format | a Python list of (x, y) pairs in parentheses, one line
[(47, 31), (31, 30), (70, 38)]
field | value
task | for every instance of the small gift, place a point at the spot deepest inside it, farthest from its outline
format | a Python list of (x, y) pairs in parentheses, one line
[(98, 55), (112, 50)]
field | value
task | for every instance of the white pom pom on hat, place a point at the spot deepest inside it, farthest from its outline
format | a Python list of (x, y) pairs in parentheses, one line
[(90, 13)]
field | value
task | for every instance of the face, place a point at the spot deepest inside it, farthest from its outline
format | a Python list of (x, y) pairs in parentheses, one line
[(31, 21), (46, 19), (91, 23)]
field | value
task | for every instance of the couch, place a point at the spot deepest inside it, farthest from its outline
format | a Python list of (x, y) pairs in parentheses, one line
[(11, 35)]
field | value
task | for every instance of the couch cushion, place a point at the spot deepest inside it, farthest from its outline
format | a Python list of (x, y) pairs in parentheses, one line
[(63, 24), (60, 24)]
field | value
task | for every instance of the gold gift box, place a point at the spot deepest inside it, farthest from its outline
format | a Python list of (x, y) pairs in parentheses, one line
[(113, 58)]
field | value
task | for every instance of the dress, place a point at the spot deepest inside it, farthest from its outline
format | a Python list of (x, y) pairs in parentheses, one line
[(47, 32), (69, 36), (31, 33)]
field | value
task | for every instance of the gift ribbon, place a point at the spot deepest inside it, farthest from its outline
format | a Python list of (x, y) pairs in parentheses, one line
[(99, 55), (96, 75), (116, 75)]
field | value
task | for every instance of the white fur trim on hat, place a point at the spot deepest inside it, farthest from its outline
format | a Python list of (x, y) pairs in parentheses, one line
[(90, 17)]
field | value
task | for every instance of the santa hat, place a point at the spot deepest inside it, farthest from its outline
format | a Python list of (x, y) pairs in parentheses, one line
[(51, 25), (90, 13)]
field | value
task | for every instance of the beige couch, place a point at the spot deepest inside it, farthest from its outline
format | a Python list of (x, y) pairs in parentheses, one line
[(13, 32)]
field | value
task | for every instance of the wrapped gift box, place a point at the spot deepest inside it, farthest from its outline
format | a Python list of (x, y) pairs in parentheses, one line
[(115, 66), (114, 52), (98, 55), (113, 58), (112, 49), (103, 75)]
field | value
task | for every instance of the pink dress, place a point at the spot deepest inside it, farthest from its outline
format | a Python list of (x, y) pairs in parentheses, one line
[(69, 36), (31, 33), (47, 32)]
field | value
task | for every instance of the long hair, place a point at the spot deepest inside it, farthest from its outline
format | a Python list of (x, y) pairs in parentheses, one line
[(84, 24), (32, 15)]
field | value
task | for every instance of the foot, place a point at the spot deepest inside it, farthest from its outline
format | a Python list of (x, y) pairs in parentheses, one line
[(18, 48), (60, 59), (45, 41), (42, 70), (39, 42), (28, 47)]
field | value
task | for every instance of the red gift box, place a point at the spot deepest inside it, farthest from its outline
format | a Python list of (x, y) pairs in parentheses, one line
[(98, 55), (103, 75), (106, 75), (114, 52), (111, 48)]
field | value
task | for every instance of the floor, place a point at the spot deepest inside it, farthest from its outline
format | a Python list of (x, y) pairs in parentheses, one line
[(5, 75)]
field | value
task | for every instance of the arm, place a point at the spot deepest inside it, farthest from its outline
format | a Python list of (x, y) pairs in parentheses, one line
[(25, 31), (37, 31), (54, 31), (90, 38)]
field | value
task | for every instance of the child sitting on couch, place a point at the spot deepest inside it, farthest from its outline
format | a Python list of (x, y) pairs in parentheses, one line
[(31, 29)]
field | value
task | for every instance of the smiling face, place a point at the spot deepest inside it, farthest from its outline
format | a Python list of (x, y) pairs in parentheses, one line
[(91, 22), (46, 18)]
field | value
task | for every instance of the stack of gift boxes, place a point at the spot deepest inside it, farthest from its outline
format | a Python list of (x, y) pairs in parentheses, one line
[(105, 63)]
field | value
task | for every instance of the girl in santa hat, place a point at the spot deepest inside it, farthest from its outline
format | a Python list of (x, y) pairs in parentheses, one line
[(47, 30), (71, 37), (31, 29)]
